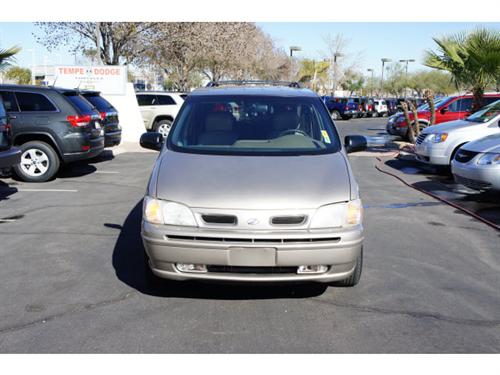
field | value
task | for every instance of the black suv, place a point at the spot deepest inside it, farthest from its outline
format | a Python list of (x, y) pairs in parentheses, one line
[(109, 117), (9, 155), (51, 126)]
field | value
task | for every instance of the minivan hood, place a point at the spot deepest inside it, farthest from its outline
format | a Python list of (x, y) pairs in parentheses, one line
[(449, 126), (490, 143), (253, 182)]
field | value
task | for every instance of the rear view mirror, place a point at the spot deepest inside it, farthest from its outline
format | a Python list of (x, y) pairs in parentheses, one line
[(152, 141), (443, 110), (355, 143)]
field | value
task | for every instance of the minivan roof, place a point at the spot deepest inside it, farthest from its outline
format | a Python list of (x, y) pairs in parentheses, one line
[(253, 90)]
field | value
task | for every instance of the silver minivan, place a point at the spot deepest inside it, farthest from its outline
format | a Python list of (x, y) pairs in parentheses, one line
[(253, 184)]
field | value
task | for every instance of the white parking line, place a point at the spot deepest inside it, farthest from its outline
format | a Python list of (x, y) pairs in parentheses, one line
[(107, 172), (50, 190)]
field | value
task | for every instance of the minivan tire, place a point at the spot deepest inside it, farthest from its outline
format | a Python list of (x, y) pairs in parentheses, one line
[(53, 162), (335, 115), (355, 276)]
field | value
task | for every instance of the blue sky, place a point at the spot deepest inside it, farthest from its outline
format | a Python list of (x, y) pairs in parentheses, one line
[(393, 40)]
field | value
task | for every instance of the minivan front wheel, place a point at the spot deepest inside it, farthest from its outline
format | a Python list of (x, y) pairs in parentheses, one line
[(39, 162), (355, 276)]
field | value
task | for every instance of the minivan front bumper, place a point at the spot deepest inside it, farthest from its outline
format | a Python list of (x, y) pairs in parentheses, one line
[(264, 251)]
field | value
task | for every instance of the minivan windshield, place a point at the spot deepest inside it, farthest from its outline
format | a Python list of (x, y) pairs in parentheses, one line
[(253, 125), (486, 114)]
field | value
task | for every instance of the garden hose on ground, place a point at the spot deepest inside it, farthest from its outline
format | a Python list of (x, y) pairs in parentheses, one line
[(454, 205)]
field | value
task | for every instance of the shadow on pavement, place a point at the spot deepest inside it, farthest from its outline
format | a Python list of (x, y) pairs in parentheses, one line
[(6, 191), (128, 264), (439, 181)]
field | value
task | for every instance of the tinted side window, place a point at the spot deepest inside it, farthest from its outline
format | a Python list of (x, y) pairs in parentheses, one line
[(30, 102), (165, 100), (9, 101), (461, 105), (80, 103), (490, 99), (144, 100), (99, 102)]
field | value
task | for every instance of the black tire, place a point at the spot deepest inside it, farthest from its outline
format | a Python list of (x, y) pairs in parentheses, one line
[(160, 124), (152, 281), (355, 276), (375, 114), (335, 115), (52, 165)]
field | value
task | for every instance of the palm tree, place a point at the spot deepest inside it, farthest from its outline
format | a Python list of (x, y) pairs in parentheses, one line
[(7, 56), (473, 60)]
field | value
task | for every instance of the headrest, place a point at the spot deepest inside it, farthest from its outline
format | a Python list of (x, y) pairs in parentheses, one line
[(285, 120), (219, 122)]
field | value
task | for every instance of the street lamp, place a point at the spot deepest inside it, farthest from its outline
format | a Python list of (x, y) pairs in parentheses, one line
[(292, 50), (371, 86), (32, 65), (406, 69), (384, 60)]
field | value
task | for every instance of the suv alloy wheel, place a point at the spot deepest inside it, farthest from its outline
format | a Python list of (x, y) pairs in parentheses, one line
[(39, 162)]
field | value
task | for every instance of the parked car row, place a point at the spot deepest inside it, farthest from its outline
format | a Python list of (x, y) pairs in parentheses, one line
[(447, 109), (353, 107), (52, 126), (471, 146)]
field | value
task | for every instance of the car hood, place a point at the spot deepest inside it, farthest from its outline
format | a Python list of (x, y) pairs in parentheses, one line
[(253, 182), (447, 127), (490, 143)]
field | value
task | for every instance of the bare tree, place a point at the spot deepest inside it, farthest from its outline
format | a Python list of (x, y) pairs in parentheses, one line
[(120, 42)]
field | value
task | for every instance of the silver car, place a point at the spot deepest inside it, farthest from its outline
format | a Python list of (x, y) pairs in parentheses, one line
[(477, 164), (267, 195)]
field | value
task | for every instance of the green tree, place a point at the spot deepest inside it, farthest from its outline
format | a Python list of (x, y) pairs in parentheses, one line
[(7, 56), (472, 59), (435, 80), (313, 73), (353, 81), (22, 76)]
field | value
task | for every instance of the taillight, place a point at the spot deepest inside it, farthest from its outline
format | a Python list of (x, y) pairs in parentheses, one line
[(103, 115), (346, 107), (78, 121)]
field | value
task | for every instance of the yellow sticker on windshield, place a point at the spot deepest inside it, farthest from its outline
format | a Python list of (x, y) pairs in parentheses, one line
[(326, 137)]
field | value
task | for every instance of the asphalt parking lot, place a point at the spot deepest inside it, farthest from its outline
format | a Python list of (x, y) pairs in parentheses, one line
[(72, 278)]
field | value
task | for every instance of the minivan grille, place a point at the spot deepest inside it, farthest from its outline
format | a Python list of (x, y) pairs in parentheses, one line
[(288, 220), (421, 138), (252, 270), (219, 219), (464, 156), (253, 240)]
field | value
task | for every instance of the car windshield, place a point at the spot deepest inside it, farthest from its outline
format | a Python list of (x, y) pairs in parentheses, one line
[(486, 114), (99, 102), (437, 102), (254, 125)]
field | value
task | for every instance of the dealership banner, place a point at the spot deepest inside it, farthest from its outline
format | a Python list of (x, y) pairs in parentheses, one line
[(108, 79)]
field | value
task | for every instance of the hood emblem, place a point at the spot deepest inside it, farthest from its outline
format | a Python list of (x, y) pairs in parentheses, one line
[(253, 221)]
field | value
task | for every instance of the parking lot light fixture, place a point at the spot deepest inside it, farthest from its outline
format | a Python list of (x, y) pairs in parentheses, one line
[(371, 88), (292, 50), (384, 60)]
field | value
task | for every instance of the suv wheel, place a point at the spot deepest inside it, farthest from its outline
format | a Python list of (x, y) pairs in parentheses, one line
[(335, 115), (355, 276), (39, 162), (163, 127)]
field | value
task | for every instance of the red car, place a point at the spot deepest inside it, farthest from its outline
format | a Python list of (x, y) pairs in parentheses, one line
[(447, 109)]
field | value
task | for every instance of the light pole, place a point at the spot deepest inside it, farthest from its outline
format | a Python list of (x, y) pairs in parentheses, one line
[(406, 69), (32, 50), (292, 50), (371, 86), (384, 60)]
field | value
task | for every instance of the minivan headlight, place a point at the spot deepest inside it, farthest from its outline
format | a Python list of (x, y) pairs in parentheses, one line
[(156, 211), (489, 158), (436, 137), (338, 215)]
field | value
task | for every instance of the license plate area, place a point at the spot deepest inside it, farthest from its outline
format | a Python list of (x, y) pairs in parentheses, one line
[(252, 256)]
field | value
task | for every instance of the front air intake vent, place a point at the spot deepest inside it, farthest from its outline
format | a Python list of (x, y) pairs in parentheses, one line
[(288, 220), (220, 219)]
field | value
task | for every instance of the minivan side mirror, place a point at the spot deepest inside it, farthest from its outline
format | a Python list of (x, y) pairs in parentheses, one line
[(443, 110), (152, 141), (355, 143)]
